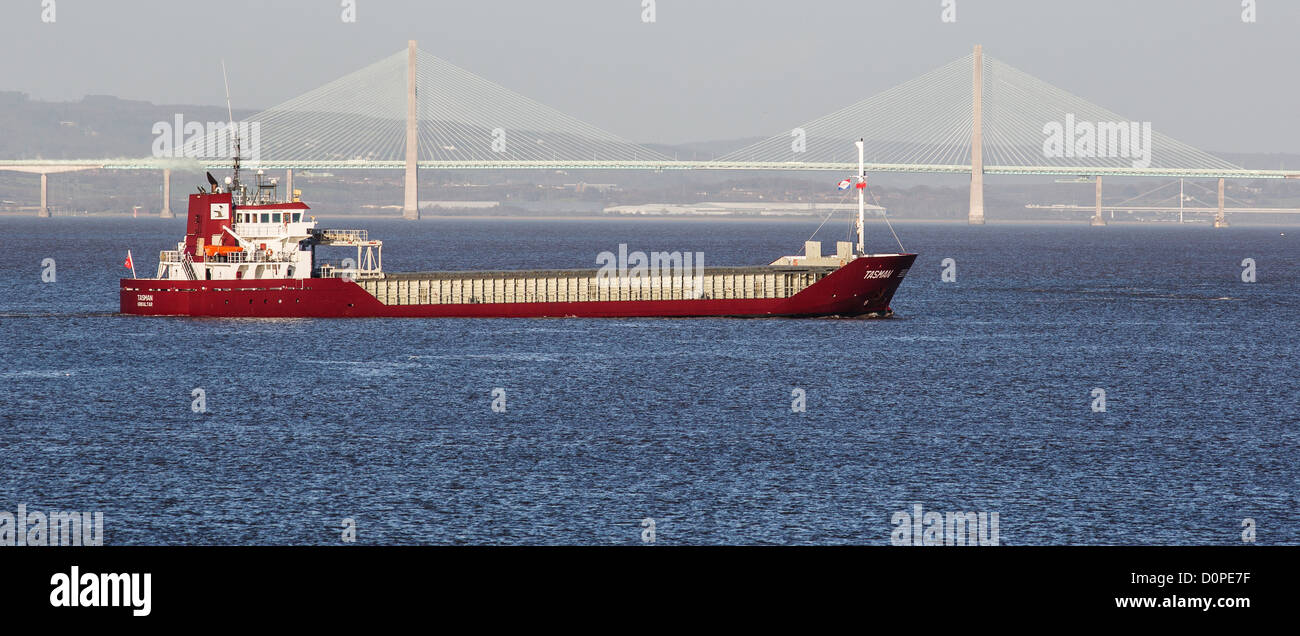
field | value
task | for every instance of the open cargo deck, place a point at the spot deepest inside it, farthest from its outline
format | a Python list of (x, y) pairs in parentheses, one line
[(588, 285)]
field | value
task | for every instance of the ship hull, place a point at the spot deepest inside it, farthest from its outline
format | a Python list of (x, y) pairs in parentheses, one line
[(855, 289)]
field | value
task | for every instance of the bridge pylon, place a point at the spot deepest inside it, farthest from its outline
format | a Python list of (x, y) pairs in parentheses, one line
[(411, 208), (976, 216), (1097, 219), (166, 212), (44, 212), (1219, 219)]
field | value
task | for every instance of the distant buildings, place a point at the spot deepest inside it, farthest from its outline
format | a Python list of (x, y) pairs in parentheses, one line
[(459, 205)]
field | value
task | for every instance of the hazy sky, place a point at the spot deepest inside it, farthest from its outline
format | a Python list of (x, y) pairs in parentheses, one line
[(704, 70)]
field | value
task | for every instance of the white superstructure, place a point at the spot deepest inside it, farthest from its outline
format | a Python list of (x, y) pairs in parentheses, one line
[(263, 237)]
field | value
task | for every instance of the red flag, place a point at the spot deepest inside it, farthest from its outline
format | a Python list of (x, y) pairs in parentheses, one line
[(128, 264)]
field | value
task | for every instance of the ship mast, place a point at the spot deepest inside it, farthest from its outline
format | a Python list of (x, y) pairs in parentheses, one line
[(862, 201), (234, 182)]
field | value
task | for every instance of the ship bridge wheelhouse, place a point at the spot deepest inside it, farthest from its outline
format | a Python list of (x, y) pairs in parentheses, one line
[(266, 217)]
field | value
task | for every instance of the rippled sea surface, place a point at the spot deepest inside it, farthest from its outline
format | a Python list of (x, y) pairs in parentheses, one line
[(977, 397)]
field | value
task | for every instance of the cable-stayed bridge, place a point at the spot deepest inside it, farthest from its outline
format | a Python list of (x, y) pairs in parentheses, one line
[(975, 115)]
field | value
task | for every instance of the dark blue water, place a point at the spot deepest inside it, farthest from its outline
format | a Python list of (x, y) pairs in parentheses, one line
[(977, 397)]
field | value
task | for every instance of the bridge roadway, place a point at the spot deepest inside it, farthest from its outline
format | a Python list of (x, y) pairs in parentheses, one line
[(47, 167)]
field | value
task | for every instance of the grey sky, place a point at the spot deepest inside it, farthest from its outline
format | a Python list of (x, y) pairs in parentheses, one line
[(705, 70)]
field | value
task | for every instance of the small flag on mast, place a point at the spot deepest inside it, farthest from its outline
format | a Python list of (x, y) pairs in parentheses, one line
[(844, 185), (129, 264)]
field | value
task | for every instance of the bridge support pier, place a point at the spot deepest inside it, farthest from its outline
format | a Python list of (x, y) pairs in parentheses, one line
[(288, 185), (1219, 219), (976, 216), (44, 212), (166, 212), (411, 208), (1097, 219)]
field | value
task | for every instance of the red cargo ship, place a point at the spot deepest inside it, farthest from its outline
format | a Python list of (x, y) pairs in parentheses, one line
[(251, 254)]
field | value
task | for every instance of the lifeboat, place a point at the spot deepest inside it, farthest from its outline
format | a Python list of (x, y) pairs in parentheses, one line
[(221, 250)]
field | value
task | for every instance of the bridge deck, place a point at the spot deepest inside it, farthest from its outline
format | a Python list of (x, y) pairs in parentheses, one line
[(60, 165)]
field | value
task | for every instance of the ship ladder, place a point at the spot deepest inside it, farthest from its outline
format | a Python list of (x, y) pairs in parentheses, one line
[(188, 266)]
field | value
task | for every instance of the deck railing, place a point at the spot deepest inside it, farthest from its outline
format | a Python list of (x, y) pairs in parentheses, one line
[(342, 237), (254, 256), (330, 270)]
